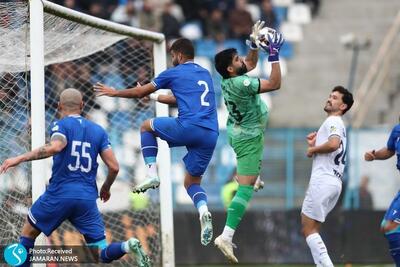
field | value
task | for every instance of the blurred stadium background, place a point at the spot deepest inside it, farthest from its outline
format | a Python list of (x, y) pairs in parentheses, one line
[(352, 43)]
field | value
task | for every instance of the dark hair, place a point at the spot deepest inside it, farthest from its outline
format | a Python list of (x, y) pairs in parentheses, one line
[(184, 46), (222, 61), (347, 97)]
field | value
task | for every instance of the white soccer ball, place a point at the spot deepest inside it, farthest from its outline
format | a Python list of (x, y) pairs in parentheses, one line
[(263, 36)]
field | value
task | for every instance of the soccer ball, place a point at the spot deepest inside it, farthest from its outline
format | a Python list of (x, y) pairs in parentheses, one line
[(263, 36)]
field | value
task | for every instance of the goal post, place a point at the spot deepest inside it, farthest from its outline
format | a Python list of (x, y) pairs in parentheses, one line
[(166, 207), (37, 94), (71, 49)]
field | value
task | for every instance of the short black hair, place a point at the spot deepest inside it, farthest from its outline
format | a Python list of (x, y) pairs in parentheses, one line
[(347, 97), (184, 46), (223, 59)]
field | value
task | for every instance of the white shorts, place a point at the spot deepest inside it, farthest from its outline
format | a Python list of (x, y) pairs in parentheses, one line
[(320, 199)]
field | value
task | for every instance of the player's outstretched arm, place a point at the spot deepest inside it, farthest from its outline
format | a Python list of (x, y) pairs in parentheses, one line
[(381, 154), (56, 144), (136, 92), (111, 162), (329, 146)]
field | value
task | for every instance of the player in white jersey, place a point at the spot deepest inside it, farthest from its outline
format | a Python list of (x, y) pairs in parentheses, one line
[(327, 147)]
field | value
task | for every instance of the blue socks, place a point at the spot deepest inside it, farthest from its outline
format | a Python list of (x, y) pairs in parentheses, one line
[(199, 197), (114, 251), (28, 243), (394, 247), (149, 147)]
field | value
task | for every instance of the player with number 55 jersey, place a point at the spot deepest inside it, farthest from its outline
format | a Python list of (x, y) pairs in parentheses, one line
[(196, 126), (75, 167), (75, 143)]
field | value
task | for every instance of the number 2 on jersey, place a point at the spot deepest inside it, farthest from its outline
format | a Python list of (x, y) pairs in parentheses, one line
[(203, 95), (84, 154)]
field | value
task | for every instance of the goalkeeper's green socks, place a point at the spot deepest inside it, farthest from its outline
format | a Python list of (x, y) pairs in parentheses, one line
[(236, 210)]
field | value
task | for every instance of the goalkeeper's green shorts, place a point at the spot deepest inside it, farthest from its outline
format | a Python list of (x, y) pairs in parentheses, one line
[(249, 154)]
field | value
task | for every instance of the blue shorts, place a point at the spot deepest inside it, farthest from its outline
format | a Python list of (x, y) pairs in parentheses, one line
[(48, 212), (393, 212), (199, 142)]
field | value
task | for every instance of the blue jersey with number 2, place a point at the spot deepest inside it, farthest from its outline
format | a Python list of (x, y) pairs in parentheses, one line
[(393, 143), (75, 167), (193, 89)]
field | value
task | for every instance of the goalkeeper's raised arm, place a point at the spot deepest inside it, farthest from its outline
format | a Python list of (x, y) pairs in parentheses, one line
[(252, 56)]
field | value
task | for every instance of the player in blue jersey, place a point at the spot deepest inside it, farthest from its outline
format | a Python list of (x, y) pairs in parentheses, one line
[(72, 191), (196, 126), (391, 221)]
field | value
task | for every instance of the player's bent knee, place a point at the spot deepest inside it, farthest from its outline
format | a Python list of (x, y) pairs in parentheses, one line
[(309, 226), (305, 229), (385, 229), (390, 226), (29, 230), (147, 126), (189, 180)]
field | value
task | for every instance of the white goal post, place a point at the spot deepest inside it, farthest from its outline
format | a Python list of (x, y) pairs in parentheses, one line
[(37, 11)]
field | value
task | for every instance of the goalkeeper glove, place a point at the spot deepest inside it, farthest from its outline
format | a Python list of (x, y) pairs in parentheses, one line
[(252, 43), (275, 44)]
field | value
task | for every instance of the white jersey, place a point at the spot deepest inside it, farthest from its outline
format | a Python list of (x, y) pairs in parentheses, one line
[(328, 167)]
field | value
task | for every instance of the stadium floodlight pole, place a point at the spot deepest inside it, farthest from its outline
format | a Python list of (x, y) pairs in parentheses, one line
[(356, 44), (357, 47)]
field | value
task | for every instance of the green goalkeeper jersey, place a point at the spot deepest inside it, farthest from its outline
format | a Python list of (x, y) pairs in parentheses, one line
[(248, 114)]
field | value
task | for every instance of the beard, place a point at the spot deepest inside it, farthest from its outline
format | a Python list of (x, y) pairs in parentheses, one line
[(242, 70), (328, 107)]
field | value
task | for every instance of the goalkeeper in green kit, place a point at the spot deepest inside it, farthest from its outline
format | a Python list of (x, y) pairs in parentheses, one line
[(247, 119)]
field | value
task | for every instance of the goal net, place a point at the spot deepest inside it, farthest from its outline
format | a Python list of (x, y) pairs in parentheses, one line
[(77, 55)]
